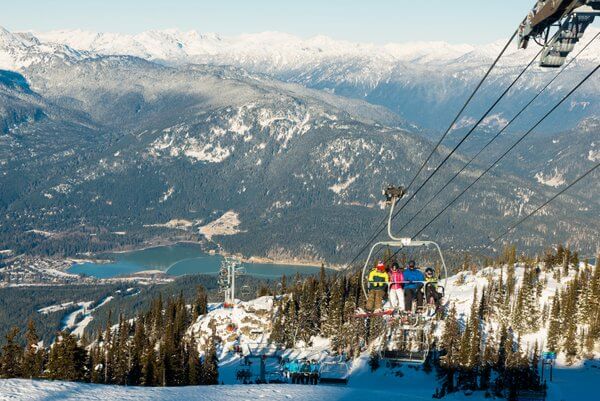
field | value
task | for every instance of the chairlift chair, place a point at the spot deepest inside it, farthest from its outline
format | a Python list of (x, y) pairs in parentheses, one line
[(334, 372), (393, 194), (409, 345)]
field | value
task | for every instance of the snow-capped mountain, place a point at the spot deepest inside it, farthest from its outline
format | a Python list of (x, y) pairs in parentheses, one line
[(198, 141), (420, 81), (286, 158)]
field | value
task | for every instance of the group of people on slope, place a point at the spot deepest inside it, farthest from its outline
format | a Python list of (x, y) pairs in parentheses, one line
[(302, 371), (403, 287)]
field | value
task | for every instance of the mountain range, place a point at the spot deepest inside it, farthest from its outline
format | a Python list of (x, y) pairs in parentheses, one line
[(105, 134)]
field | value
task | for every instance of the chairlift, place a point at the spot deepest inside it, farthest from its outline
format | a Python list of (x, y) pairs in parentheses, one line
[(334, 372), (406, 344), (408, 341)]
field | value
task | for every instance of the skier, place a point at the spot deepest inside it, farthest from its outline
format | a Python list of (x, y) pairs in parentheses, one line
[(378, 279), (294, 369), (396, 292), (305, 372), (431, 293), (412, 289), (314, 372)]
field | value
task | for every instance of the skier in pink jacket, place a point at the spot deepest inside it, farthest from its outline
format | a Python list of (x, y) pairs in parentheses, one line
[(396, 293)]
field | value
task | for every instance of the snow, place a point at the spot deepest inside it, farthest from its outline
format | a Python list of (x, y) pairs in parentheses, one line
[(167, 194), (342, 186), (83, 314), (68, 322), (278, 49), (555, 180), (181, 224), (33, 390), (594, 155), (42, 232), (54, 308), (225, 225)]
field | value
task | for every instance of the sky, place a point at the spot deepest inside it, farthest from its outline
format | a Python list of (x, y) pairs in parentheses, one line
[(376, 21)]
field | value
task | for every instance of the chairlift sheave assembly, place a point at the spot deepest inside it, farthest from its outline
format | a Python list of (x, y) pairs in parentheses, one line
[(570, 18)]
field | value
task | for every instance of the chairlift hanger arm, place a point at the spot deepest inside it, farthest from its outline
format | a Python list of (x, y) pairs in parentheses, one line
[(543, 15)]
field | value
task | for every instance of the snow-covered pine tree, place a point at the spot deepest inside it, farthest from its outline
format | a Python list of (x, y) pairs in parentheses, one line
[(322, 298), (290, 317), (278, 328), (569, 320), (450, 348), (350, 336), (331, 327), (210, 365), (554, 336), (308, 312)]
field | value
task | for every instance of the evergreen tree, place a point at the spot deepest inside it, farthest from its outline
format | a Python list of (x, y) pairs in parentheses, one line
[(194, 364), (278, 329), (565, 262), (33, 358), (67, 359), (374, 361), (11, 359), (134, 374), (332, 326), (570, 323), (307, 311), (121, 354), (210, 365), (323, 297), (450, 344), (553, 339), (201, 303), (149, 365)]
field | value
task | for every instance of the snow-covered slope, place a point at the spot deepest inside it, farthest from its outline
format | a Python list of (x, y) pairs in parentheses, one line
[(576, 384)]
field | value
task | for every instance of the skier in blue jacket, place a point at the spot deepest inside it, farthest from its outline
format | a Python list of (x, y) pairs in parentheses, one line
[(314, 372), (294, 369), (413, 279)]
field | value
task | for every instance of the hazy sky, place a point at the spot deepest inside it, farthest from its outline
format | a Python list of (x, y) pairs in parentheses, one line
[(380, 21)]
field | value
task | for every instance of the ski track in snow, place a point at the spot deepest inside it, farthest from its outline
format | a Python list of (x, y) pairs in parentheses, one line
[(69, 322)]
